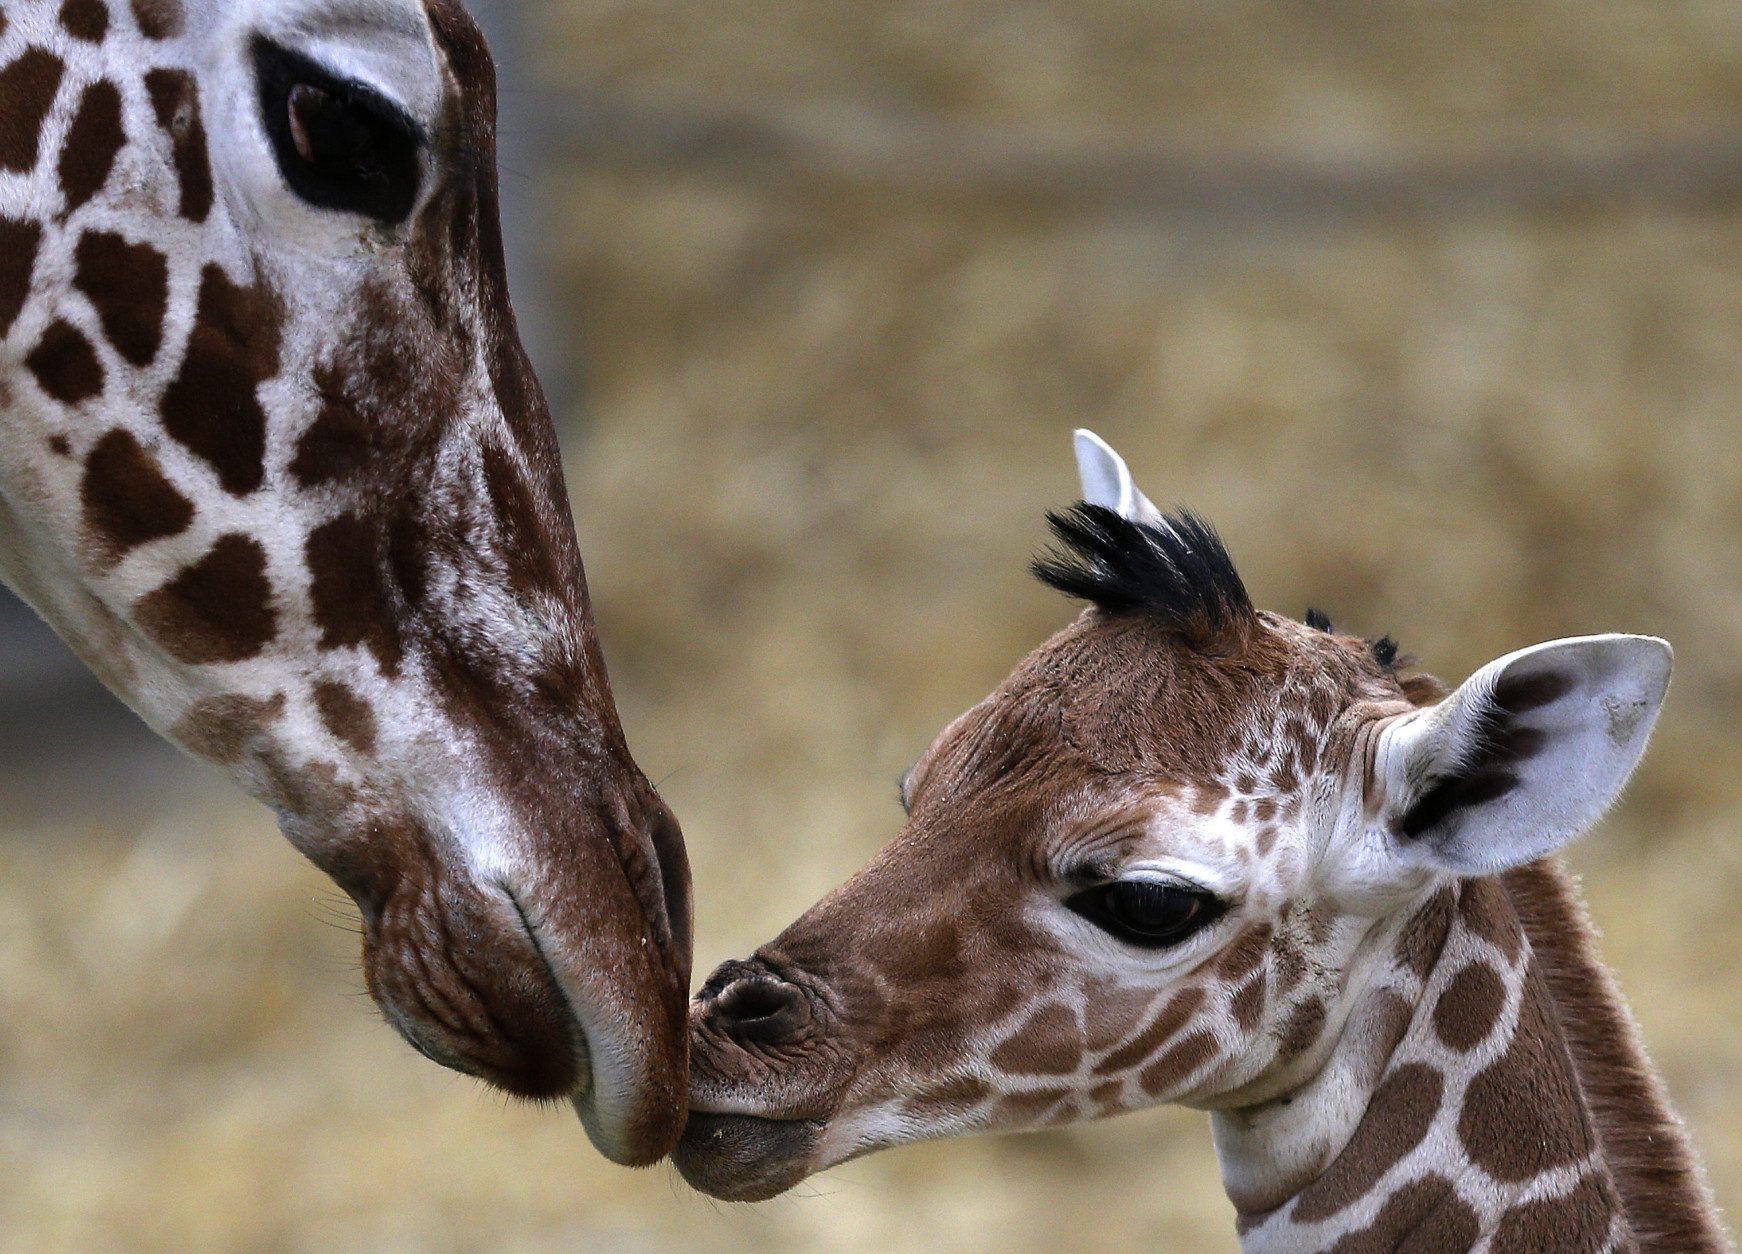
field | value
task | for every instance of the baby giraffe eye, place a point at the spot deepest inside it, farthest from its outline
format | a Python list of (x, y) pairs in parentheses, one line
[(339, 144), (1147, 912)]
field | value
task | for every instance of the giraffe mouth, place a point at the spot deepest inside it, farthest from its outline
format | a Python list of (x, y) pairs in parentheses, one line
[(583, 1053), (497, 980), (746, 1158)]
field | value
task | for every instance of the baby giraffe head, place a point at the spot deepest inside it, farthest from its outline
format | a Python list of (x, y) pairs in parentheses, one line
[(1163, 862)]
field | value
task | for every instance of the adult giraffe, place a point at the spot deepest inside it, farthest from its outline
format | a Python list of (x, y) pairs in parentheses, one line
[(276, 467), (1196, 853)]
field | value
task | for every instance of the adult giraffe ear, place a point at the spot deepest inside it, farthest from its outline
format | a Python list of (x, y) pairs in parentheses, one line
[(1107, 481), (1524, 756)]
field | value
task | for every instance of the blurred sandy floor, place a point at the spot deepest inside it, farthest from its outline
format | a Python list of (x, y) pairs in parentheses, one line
[(822, 418)]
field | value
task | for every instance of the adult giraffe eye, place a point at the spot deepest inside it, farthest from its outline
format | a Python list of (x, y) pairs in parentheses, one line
[(339, 144), (1147, 912)]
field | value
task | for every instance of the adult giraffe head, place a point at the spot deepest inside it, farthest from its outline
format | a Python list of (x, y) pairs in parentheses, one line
[(1192, 852), (275, 465)]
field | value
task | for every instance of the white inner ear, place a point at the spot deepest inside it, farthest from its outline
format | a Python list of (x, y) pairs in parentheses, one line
[(1107, 481), (1524, 756)]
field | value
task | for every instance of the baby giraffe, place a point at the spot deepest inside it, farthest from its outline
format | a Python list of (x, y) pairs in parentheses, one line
[(1195, 852)]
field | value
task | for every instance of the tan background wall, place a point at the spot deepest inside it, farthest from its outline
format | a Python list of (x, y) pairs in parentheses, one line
[(1435, 310)]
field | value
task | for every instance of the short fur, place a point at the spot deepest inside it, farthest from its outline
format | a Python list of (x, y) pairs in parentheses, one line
[(1656, 1172)]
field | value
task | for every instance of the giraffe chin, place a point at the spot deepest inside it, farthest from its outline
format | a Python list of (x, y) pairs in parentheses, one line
[(744, 1158)]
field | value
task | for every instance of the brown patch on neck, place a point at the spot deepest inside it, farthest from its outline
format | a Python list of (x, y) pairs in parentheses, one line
[(1398, 1117), (175, 99), (212, 407), (217, 610), (158, 19), (65, 365), (222, 729), (92, 142), (346, 715), (128, 285), (349, 591), (27, 91), (1662, 1187), (85, 19), (126, 499), (18, 244)]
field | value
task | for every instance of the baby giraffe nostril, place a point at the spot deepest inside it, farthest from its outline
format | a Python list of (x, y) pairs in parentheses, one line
[(760, 1009)]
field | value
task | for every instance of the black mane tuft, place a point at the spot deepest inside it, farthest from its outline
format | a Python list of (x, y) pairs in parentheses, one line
[(1179, 573)]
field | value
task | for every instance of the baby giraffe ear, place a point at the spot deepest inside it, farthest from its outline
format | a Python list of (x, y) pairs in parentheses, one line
[(1524, 756), (1107, 481)]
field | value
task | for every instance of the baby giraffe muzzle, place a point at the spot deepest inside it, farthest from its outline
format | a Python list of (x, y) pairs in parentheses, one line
[(1194, 852)]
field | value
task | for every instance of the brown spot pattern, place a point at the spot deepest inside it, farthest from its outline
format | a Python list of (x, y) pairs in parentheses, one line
[(350, 598), (217, 610), (1027, 1108), (1577, 1223), (1425, 1216), (956, 1095), (1048, 1044), (1243, 955), (1484, 909), (128, 286), (339, 442), (27, 91), (1523, 1113), (127, 499), (85, 19), (1166, 1072), (1290, 966), (212, 406), (1424, 935), (158, 19), (65, 364), (92, 142), (346, 715), (220, 729), (526, 553), (1305, 1022), (1109, 1011), (1181, 1007), (18, 244), (1248, 1002), (175, 99), (1385, 1019), (1207, 797), (1398, 1117), (1469, 1007)]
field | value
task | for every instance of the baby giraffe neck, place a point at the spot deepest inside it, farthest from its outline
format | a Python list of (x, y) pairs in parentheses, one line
[(1487, 1093)]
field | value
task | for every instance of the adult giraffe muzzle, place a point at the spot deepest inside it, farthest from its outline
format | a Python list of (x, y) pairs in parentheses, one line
[(276, 467)]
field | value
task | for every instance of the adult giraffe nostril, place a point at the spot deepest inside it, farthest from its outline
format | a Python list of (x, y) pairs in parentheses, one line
[(674, 878), (761, 1009)]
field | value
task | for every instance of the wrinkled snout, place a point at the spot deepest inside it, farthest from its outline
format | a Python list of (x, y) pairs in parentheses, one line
[(765, 1079), (552, 973)]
